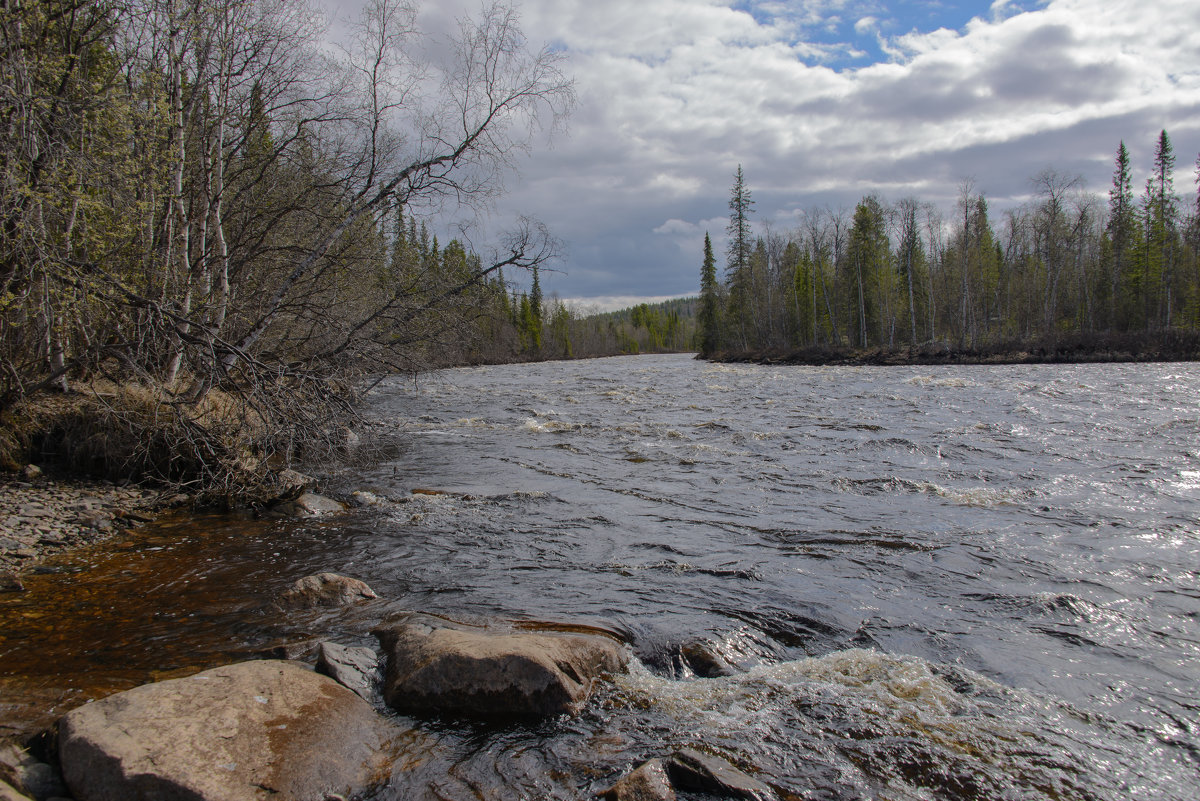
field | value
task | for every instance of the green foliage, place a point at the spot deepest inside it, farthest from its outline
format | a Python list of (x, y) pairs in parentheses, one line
[(710, 303), (1064, 263), (739, 313)]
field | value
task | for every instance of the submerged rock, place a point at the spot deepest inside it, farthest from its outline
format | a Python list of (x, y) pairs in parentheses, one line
[(693, 771), (704, 661), (253, 730), (437, 666), (648, 783), (353, 668), (325, 589)]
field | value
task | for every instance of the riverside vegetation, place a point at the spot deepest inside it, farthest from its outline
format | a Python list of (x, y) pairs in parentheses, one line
[(209, 225)]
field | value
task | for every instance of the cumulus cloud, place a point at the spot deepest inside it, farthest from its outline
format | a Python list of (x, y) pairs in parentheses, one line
[(674, 94), (867, 25)]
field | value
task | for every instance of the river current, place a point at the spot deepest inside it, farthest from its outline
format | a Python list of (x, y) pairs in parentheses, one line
[(853, 583)]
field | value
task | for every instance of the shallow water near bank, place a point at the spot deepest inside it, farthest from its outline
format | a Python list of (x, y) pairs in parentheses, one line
[(967, 582)]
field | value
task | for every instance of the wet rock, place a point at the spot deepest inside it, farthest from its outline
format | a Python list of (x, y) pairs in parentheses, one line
[(295, 651), (10, 582), (97, 520), (27, 776), (308, 504), (42, 781), (437, 666), (648, 783), (9, 793), (247, 731), (704, 662), (325, 589), (693, 771), (363, 498), (353, 668)]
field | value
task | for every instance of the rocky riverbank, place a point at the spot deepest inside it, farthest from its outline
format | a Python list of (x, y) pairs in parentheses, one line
[(40, 517), (249, 730)]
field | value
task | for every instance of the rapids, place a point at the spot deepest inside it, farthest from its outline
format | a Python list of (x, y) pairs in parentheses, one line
[(966, 582)]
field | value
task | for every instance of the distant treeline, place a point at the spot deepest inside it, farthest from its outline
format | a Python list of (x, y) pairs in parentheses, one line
[(665, 327), (524, 326), (1067, 264)]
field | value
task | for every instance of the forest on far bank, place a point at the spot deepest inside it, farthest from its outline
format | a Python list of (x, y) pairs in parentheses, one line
[(1068, 264)]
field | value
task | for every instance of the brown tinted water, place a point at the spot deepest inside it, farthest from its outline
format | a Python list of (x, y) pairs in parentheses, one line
[(169, 598)]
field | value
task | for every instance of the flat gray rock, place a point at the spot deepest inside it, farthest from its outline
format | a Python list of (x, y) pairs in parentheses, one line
[(244, 732), (353, 668), (648, 783)]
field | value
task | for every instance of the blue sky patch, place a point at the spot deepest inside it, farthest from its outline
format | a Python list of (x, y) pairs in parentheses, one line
[(845, 34)]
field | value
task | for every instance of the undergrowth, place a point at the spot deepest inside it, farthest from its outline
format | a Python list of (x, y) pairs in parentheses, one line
[(225, 450)]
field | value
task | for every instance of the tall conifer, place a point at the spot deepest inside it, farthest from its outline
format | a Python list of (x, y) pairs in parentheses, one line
[(738, 253), (1122, 224), (710, 310)]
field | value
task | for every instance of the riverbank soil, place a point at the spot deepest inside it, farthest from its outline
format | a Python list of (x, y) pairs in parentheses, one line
[(1163, 346)]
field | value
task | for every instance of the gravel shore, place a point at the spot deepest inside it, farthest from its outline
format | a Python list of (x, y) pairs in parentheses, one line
[(39, 517)]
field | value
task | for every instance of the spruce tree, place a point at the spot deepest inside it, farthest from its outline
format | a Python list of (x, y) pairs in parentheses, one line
[(535, 295), (710, 309), (737, 266), (1122, 225), (1162, 223)]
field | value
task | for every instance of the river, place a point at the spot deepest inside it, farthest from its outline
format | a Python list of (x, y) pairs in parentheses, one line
[(960, 582)]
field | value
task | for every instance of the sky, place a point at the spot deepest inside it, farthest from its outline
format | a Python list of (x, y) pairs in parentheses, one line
[(822, 102)]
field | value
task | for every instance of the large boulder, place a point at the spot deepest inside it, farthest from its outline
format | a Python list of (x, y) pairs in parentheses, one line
[(250, 731), (325, 589), (440, 667)]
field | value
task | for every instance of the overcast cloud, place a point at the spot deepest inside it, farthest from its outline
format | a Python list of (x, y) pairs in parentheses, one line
[(824, 101)]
